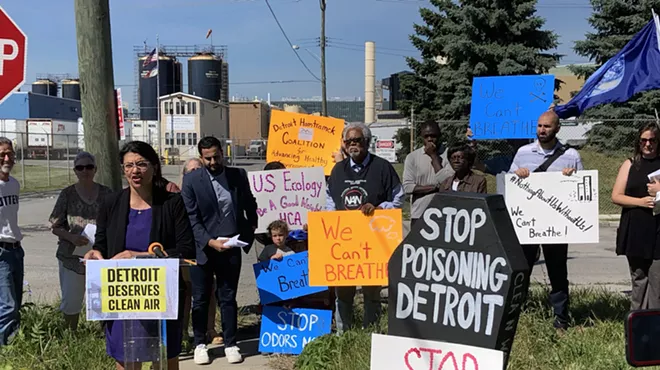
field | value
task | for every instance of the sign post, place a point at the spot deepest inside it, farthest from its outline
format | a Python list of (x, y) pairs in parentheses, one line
[(13, 52)]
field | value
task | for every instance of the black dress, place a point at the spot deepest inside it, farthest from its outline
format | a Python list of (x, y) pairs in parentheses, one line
[(638, 229)]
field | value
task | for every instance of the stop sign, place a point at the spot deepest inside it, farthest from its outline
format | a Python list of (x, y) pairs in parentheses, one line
[(13, 48)]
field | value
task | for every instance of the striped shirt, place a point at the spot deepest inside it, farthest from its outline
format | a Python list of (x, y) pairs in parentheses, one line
[(531, 156)]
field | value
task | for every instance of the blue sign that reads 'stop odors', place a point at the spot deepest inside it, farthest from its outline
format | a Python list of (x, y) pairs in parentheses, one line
[(508, 107), (289, 330)]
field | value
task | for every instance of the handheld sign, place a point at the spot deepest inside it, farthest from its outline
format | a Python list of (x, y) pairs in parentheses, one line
[(550, 208), (289, 330), (135, 289), (303, 140), (286, 279), (347, 248), (287, 195), (392, 352), (460, 275), (508, 107)]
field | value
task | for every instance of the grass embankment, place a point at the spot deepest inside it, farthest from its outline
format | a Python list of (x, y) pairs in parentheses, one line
[(595, 341), (606, 164), (37, 178)]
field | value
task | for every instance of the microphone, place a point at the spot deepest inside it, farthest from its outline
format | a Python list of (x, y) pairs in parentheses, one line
[(156, 249)]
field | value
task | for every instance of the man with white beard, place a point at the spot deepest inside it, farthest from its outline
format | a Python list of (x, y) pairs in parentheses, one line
[(364, 182), (11, 252)]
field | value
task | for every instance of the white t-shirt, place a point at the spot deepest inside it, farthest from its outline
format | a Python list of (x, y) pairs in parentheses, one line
[(454, 185), (9, 192)]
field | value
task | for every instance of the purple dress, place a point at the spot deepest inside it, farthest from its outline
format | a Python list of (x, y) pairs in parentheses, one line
[(137, 240)]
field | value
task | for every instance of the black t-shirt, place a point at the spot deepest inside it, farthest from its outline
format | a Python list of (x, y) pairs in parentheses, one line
[(372, 184)]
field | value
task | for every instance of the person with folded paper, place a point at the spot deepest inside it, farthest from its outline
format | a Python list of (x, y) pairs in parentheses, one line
[(73, 221), (635, 190), (223, 215)]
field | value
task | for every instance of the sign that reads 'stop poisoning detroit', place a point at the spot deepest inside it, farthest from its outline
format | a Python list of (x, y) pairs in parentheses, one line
[(460, 275), (287, 195), (303, 140), (550, 208), (508, 107)]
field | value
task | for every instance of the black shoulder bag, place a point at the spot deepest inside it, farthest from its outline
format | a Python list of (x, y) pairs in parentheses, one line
[(558, 152)]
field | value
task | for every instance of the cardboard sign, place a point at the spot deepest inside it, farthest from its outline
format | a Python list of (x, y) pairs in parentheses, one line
[(132, 289), (460, 275), (347, 248), (392, 352), (285, 279), (287, 195), (289, 330), (302, 140), (550, 208), (508, 107)]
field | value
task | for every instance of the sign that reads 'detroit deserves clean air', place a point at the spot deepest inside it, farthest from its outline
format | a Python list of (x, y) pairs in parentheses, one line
[(460, 275)]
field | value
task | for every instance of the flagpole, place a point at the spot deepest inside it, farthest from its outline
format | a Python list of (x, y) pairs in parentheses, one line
[(160, 136)]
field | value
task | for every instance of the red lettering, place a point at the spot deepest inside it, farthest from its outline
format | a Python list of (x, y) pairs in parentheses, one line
[(341, 272), (366, 250), (333, 233), (332, 251), (330, 273), (355, 271), (424, 365)]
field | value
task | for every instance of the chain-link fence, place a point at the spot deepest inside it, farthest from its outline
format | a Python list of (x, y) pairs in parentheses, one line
[(603, 145), (241, 150)]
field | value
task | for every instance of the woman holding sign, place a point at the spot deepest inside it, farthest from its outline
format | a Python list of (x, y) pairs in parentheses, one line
[(637, 236), (128, 222)]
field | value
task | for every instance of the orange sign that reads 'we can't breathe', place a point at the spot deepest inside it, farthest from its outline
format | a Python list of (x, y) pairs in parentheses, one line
[(303, 140), (347, 248)]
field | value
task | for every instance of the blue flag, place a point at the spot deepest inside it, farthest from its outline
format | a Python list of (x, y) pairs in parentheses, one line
[(634, 69)]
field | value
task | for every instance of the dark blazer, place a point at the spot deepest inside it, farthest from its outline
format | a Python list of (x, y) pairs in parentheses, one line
[(170, 226), (204, 212), (472, 183)]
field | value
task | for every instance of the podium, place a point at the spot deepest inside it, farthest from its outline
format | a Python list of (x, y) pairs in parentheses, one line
[(139, 297)]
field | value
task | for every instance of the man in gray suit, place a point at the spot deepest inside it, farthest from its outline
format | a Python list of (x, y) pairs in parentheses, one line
[(220, 205)]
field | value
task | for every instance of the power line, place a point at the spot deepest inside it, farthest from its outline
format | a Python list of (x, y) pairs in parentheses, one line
[(362, 50), (377, 46), (289, 41)]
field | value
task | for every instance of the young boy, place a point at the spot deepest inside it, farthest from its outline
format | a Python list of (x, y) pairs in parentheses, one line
[(278, 231)]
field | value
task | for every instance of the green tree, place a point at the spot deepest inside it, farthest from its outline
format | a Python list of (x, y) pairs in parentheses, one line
[(459, 40), (615, 23)]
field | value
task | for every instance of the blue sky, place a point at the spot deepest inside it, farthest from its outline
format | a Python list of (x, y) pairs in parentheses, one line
[(257, 49)]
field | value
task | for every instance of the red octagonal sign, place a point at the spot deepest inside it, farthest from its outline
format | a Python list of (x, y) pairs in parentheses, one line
[(13, 49)]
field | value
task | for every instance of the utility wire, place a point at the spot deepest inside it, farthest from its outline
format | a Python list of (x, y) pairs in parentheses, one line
[(289, 41), (243, 83), (362, 50), (377, 46)]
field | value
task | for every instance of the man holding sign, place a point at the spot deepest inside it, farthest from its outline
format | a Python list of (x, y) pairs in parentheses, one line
[(548, 154), (363, 182)]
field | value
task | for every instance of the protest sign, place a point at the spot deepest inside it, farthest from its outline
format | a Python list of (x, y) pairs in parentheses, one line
[(460, 275), (285, 279), (132, 289), (392, 352), (303, 140), (287, 195), (289, 330), (347, 248), (508, 107), (550, 208)]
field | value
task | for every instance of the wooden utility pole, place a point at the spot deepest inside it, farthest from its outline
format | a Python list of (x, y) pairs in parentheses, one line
[(324, 97), (99, 106)]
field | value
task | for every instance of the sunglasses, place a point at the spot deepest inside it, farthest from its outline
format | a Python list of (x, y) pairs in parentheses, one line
[(87, 167), (645, 140), (355, 140)]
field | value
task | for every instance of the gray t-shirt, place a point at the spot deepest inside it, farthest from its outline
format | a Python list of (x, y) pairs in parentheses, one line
[(418, 170)]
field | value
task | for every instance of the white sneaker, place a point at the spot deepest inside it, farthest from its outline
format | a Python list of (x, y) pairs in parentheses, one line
[(202, 355), (233, 355)]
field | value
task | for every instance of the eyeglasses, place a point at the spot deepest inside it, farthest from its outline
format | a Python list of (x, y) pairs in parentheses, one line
[(142, 166), (87, 167), (645, 140), (355, 140)]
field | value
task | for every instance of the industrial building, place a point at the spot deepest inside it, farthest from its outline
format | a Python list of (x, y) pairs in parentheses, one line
[(186, 118), (349, 111), (28, 105), (248, 121)]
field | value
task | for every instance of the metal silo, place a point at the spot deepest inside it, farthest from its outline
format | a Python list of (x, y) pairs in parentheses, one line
[(44, 87), (178, 76), (149, 85), (71, 89), (205, 76), (224, 96)]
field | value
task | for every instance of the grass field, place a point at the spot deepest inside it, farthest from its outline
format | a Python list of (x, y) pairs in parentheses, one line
[(595, 341), (38, 178), (606, 164)]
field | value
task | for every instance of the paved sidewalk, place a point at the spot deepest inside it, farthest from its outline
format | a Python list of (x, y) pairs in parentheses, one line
[(249, 348)]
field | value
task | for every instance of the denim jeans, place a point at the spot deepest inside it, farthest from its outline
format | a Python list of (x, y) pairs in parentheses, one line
[(344, 300), (11, 291)]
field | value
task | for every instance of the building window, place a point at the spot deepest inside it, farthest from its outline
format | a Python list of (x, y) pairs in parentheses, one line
[(167, 107), (194, 138), (167, 139), (194, 107), (180, 139), (178, 108)]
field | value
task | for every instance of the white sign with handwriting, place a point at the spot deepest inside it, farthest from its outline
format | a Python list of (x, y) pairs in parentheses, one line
[(550, 208)]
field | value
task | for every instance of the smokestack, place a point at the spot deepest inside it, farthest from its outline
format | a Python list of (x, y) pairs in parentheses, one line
[(369, 82)]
